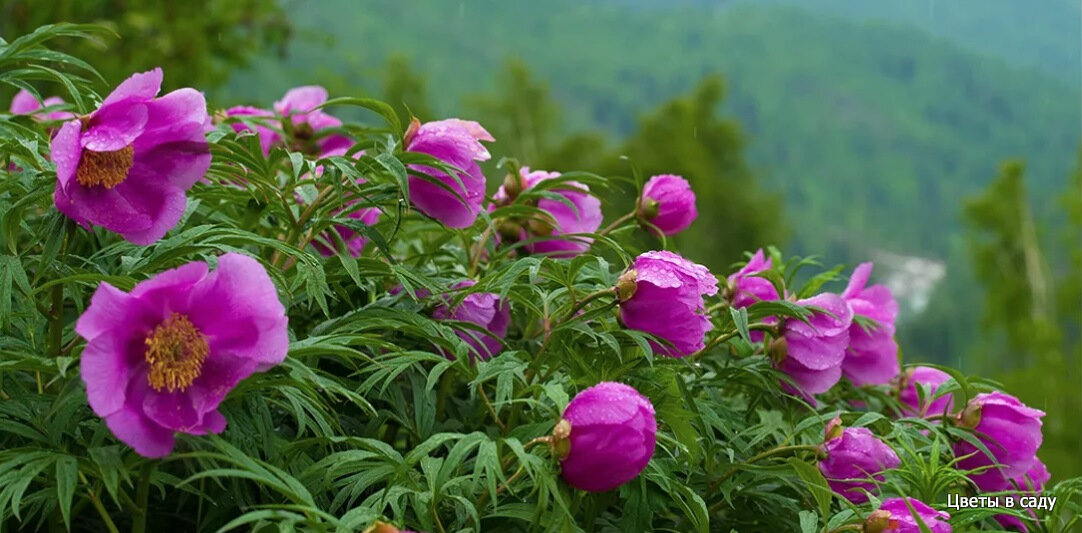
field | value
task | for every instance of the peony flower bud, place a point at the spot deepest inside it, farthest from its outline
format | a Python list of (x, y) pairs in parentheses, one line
[(930, 379), (894, 516), (611, 437), (814, 350), (854, 458), (1009, 429), (667, 301), (872, 355), (668, 203), (458, 144)]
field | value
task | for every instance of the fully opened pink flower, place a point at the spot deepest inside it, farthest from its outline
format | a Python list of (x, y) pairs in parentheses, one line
[(24, 103), (268, 137), (160, 359), (855, 459), (894, 516), (484, 309), (298, 110), (872, 356), (126, 167), (668, 203), (812, 353), (458, 144), (355, 241), (1009, 429), (612, 437), (662, 294), (576, 212), (929, 379)]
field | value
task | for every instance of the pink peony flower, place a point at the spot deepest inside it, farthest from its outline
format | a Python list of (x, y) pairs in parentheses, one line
[(812, 353), (24, 103), (484, 309), (662, 294), (160, 359), (854, 459), (745, 288), (668, 203), (612, 437), (456, 143), (127, 166), (583, 215), (268, 137), (298, 109), (894, 516), (930, 379), (872, 356), (1009, 429), (355, 241)]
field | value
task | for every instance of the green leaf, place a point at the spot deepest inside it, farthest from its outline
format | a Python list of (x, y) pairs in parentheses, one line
[(67, 472), (816, 484)]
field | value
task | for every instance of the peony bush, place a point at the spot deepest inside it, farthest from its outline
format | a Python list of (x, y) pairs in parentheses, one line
[(279, 317)]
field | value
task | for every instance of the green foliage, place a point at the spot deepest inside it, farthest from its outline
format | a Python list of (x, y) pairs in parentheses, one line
[(200, 40), (1041, 358), (378, 411)]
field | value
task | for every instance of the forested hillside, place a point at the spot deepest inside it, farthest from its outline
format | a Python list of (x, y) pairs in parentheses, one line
[(874, 133)]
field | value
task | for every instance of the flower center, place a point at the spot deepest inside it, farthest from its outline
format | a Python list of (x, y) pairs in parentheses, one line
[(107, 169), (176, 350)]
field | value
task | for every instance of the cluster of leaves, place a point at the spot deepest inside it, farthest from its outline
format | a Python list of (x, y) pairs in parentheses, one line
[(378, 411)]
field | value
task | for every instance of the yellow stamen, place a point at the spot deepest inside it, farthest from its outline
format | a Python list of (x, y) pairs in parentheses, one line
[(107, 169), (176, 350)]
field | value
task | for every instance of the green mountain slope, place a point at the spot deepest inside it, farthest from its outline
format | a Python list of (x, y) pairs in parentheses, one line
[(873, 132)]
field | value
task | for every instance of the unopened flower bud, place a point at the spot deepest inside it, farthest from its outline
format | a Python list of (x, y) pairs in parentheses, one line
[(778, 350), (626, 285), (512, 186), (540, 227), (382, 527), (877, 522), (510, 231), (610, 436)]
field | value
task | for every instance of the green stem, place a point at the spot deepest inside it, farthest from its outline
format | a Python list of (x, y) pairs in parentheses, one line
[(616, 223), (142, 494), (847, 527), (761, 456), (98, 505), (56, 320), (611, 291)]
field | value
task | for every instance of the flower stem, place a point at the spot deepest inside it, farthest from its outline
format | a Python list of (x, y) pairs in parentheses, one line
[(611, 291), (618, 222), (761, 456), (491, 410), (109, 525), (142, 493)]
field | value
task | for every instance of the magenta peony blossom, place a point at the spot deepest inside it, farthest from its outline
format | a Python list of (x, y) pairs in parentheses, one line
[(456, 143), (745, 288), (1009, 429), (127, 166), (24, 103), (894, 516), (583, 215), (662, 294), (355, 241), (268, 137), (298, 109), (160, 359), (1031, 483), (668, 203), (482, 308), (812, 353), (930, 379), (872, 356), (612, 437), (854, 458)]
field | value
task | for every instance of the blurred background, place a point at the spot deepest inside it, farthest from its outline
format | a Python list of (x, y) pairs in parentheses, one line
[(938, 138)]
